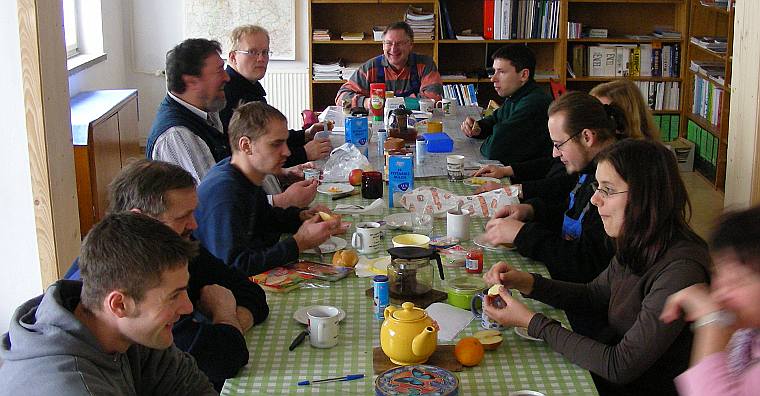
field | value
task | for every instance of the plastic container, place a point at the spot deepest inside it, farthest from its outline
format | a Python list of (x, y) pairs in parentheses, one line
[(454, 256), (438, 142), (461, 290)]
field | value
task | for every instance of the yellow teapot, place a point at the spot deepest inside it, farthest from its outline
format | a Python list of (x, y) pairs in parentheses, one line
[(408, 335)]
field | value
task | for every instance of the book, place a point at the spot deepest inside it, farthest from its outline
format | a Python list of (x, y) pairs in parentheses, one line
[(656, 61), (645, 60), (488, 19), (446, 20)]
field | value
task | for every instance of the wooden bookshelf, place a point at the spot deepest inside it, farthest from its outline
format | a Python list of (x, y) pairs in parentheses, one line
[(473, 57), (705, 20)]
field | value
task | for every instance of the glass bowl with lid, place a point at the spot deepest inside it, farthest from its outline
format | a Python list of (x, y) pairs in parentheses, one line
[(461, 290)]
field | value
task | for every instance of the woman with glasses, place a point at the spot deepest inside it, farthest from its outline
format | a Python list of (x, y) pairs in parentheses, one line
[(725, 358), (643, 204)]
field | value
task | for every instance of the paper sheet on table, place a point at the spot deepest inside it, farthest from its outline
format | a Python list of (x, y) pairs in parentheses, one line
[(438, 201), (375, 208), (451, 319), (369, 267)]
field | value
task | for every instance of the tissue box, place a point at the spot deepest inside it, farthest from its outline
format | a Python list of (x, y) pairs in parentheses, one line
[(438, 142)]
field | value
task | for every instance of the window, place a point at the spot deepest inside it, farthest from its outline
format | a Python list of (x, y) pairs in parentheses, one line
[(70, 28)]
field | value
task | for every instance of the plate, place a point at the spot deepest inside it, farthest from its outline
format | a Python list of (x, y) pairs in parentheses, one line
[(331, 245), (523, 332), (399, 220), (496, 248), (479, 181), (334, 188), (300, 314), (421, 115)]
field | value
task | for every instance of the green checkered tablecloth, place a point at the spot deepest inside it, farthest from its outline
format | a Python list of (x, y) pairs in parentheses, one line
[(273, 370)]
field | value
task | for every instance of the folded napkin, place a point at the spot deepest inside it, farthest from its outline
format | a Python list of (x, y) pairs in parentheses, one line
[(375, 208), (451, 320)]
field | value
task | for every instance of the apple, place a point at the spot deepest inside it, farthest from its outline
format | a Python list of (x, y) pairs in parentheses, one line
[(355, 177)]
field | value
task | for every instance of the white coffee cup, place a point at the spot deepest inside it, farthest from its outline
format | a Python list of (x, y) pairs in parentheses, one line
[(367, 238), (323, 326), (427, 104), (455, 166), (458, 224), (444, 105)]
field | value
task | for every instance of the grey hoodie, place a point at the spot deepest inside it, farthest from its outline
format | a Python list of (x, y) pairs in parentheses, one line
[(48, 351)]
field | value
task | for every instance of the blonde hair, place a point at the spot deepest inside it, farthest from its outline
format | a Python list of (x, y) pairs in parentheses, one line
[(239, 32), (626, 95)]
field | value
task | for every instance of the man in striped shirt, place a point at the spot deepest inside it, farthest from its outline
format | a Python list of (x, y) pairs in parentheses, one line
[(403, 72)]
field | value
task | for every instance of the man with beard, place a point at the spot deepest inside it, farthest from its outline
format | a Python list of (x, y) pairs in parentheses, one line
[(187, 130)]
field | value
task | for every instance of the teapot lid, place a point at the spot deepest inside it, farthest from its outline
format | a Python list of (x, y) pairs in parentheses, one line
[(402, 110), (410, 252), (409, 312)]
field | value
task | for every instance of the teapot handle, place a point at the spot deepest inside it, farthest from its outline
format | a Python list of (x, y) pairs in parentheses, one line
[(440, 265)]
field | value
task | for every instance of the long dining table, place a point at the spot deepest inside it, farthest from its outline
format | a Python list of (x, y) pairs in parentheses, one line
[(518, 364)]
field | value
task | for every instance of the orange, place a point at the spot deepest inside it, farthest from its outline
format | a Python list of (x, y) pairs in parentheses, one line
[(469, 351)]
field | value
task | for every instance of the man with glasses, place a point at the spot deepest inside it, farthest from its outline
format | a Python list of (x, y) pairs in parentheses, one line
[(517, 131), (246, 65), (403, 71)]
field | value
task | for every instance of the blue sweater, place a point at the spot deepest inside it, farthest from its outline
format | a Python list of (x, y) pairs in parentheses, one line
[(239, 226)]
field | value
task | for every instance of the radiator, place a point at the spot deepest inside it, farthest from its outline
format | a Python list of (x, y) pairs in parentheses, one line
[(288, 91)]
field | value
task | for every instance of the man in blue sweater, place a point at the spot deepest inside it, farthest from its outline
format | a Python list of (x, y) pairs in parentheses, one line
[(226, 304), (235, 221)]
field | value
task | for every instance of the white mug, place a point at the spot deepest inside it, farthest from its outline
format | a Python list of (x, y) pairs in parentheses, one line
[(427, 104), (445, 105), (367, 238), (323, 326), (458, 224), (455, 167)]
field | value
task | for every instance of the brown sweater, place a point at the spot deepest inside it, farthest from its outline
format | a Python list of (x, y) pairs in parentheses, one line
[(639, 354)]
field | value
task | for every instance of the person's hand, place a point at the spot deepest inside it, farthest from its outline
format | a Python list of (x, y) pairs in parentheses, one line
[(295, 172), (507, 276), (317, 149), (313, 232), (489, 186), (470, 127), (299, 194), (522, 212), (319, 126), (218, 303), (494, 171), (499, 231), (513, 313), (694, 302), (310, 212), (245, 318)]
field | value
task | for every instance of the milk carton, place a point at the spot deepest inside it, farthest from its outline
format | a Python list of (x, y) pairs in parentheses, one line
[(400, 177), (357, 132)]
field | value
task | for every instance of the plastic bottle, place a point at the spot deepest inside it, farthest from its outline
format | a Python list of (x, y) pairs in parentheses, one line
[(381, 299)]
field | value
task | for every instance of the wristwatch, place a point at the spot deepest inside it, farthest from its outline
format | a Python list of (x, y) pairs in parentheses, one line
[(720, 317)]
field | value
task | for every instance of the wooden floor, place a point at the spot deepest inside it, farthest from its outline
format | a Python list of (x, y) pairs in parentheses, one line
[(706, 202)]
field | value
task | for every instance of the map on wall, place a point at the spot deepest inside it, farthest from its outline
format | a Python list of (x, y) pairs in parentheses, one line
[(215, 19)]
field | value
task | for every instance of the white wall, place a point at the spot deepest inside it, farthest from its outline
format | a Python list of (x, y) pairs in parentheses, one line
[(19, 259)]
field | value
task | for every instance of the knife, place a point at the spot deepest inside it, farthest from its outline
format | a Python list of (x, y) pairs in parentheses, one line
[(346, 194), (298, 340)]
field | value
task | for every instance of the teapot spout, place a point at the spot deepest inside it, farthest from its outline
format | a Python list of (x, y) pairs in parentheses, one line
[(424, 344)]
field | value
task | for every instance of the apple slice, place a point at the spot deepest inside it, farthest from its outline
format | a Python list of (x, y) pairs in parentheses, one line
[(491, 339), (324, 216), (494, 290)]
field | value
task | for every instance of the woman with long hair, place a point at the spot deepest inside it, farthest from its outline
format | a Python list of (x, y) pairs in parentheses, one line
[(725, 358), (626, 95), (643, 204)]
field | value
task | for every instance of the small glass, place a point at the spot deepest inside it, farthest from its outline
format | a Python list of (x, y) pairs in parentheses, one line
[(372, 185)]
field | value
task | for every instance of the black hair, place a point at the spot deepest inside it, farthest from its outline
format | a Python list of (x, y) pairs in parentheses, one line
[(188, 58), (520, 56)]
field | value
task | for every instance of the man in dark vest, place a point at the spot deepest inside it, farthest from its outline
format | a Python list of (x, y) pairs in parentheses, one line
[(187, 130)]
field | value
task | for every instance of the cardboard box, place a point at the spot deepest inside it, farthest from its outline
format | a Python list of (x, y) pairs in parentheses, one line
[(684, 151)]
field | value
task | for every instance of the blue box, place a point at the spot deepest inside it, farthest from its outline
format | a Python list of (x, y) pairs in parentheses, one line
[(357, 132), (438, 142), (400, 177)]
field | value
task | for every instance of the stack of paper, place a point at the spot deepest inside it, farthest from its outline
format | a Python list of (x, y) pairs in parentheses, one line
[(422, 23), (327, 71), (352, 36), (348, 70), (320, 35)]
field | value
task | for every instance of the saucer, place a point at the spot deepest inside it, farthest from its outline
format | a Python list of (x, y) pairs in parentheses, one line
[(335, 188), (523, 332), (300, 314), (478, 240), (331, 245)]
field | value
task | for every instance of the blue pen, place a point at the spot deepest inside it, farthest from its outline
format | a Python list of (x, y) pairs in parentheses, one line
[(349, 377)]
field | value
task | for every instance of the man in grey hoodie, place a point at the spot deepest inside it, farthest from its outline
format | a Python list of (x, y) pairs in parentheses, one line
[(112, 332)]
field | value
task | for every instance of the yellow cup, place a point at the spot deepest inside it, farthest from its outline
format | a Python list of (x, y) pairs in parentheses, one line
[(434, 127), (417, 240)]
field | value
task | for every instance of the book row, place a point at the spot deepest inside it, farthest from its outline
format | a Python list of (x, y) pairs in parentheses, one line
[(463, 94), (646, 59), (661, 95), (520, 19), (708, 101)]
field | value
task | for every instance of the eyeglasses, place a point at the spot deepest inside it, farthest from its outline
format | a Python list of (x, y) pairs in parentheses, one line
[(603, 192), (266, 53), (396, 43), (557, 146)]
